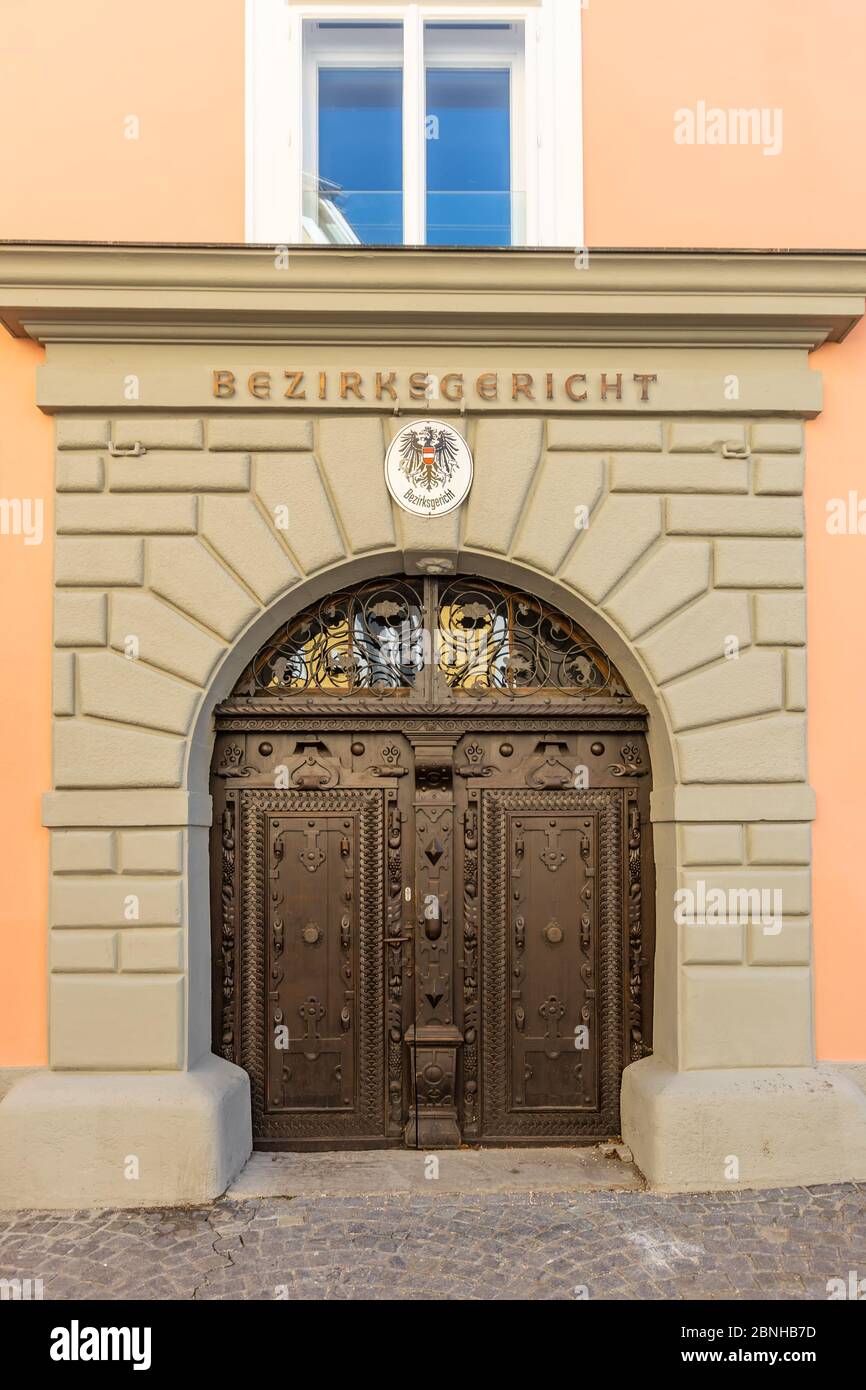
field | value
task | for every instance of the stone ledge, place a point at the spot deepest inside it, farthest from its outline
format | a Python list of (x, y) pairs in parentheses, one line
[(150, 807), (65, 1138), (785, 1126), (117, 292), (783, 801)]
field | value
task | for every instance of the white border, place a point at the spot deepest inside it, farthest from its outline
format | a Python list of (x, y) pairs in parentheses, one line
[(274, 105), (392, 451)]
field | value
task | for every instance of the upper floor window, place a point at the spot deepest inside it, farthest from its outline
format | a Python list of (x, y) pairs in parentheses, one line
[(418, 124)]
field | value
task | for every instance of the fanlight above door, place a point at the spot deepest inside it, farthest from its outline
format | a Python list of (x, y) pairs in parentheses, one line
[(432, 639)]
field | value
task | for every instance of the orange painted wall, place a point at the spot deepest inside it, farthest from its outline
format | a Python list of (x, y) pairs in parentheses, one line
[(643, 62), (74, 73), (25, 712)]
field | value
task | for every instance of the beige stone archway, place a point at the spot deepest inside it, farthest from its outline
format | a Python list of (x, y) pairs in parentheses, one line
[(173, 563)]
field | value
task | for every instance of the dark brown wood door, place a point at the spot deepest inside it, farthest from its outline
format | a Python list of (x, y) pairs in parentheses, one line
[(425, 932), (552, 950)]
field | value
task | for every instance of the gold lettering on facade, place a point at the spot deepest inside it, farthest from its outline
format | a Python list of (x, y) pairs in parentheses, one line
[(293, 391), (578, 376), (386, 385), (418, 386), (521, 385), (453, 387), (350, 381), (223, 384), (645, 378), (259, 385)]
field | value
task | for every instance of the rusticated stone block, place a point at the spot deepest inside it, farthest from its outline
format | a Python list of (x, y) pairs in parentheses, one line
[(258, 433), (152, 950), (711, 844), (795, 678), (151, 851), (735, 689), (735, 516), (113, 687), (117, 1022), (734, 1016), (761, 750), (80, 619), (161, 637), (754, 892), (96, 563), (553, 523), (619, 533), (79, 473), (705, 436), (783, 475), (698, 635), (760, 564), (604, 436), (679, 473), (351, 453), (73, 951), (791, 946), (172, 472), (292, 482), (777, 436), (106, 515), (82, 851), (96, 754), (786, 843), (63, 683), (780, 619), (116, 900), (186, 574), (159, 432), (81, 432), (506, 459), (712, 945), (236, 529), (668, 579)]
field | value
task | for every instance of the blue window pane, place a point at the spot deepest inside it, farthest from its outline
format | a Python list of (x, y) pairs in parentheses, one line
[(361, 148), (468, 157)]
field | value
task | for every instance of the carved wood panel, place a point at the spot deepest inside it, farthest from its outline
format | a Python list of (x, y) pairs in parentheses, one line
[(413, 916), (552, 963), (312, 998)]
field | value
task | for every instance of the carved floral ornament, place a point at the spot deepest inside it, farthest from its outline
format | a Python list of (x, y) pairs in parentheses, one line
[(409, 638)]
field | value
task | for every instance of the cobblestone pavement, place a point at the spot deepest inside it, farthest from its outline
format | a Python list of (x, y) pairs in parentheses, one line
[(780, 1244)]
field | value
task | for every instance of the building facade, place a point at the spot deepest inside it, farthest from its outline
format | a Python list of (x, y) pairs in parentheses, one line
[(433, 750)]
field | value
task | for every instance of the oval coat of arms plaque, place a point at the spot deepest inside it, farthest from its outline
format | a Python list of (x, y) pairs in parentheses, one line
[(428, 468)]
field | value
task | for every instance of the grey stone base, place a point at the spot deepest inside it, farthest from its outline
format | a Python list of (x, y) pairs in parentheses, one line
[(393, 1172), (113, 1139), (698, 1131)]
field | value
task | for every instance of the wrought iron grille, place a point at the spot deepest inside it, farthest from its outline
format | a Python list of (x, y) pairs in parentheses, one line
[(360, 639), (497, 639), (463, 637)]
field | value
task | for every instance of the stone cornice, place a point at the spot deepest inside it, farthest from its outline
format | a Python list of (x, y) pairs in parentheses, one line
[(74, 292)]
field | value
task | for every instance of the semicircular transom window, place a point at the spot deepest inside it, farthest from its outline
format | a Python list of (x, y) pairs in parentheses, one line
[(432, 639)]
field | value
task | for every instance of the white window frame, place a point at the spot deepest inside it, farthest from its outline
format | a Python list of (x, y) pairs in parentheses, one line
[(552, 124)]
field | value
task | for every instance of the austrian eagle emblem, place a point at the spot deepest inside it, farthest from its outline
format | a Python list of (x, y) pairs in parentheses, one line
[(428, 457)]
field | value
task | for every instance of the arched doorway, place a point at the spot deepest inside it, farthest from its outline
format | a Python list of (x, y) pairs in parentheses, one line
[(432, 873)]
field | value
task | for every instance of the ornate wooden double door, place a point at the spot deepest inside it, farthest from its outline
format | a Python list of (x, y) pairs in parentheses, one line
[(432, 922)]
